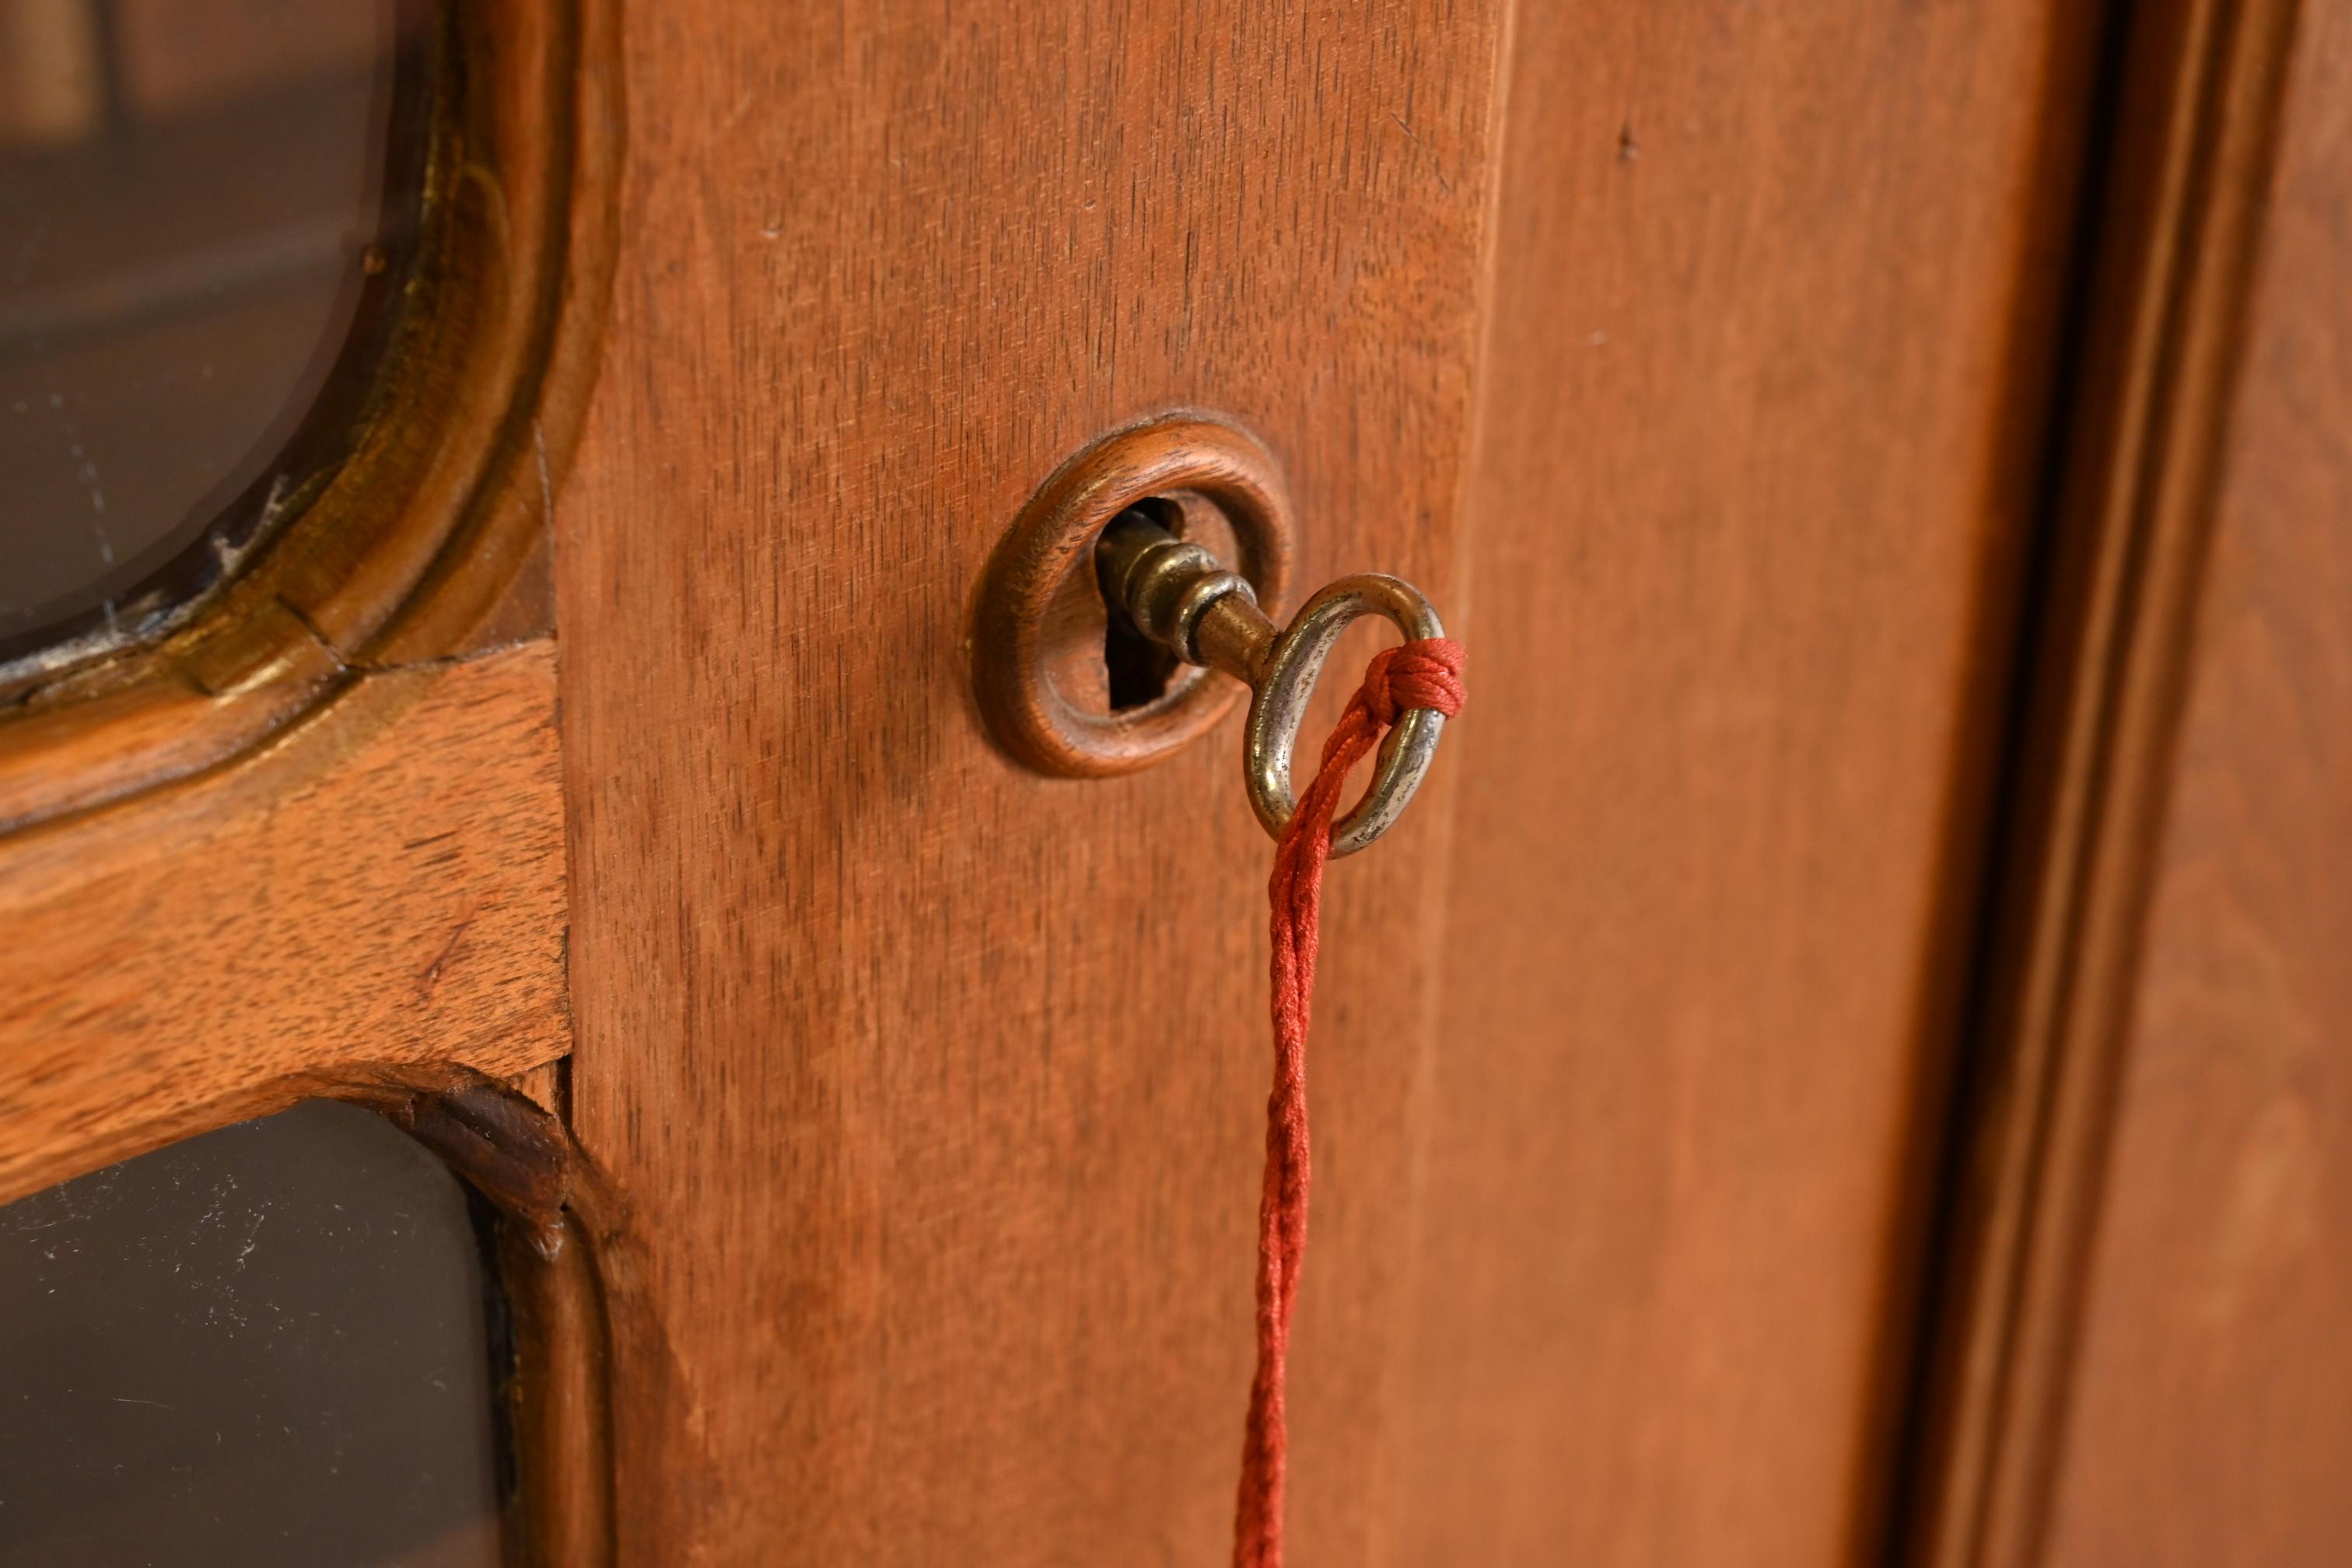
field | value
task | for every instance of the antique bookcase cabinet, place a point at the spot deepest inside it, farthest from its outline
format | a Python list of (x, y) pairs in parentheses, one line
[(1847, 1061)]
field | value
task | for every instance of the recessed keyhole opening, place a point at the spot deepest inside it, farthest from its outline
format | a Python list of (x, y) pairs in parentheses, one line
[(1139, 670)]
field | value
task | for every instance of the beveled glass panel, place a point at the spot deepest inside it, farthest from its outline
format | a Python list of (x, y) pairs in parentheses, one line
[(207, 210), (272, 1343)]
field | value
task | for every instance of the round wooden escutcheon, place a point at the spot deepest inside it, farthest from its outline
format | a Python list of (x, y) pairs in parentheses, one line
[(1040, 674)]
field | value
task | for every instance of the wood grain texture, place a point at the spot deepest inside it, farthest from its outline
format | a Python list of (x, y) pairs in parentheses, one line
[(2210, 1417), (384, 884), (1771, 343), (938, 1087)]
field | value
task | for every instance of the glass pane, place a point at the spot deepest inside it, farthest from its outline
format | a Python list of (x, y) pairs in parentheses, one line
[(205, 208), (271, 1344)]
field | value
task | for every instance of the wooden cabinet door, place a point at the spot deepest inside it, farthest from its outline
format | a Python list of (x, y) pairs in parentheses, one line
[(1781, 406), (1696, 362)]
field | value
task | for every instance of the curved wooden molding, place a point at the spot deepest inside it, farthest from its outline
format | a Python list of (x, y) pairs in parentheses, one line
[(559, 1239), (407, 548)]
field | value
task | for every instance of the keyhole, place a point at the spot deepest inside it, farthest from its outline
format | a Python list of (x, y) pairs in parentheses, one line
[(1139, 670), (1044, 667)]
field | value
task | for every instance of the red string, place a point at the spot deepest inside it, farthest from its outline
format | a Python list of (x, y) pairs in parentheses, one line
[(1426, 673)]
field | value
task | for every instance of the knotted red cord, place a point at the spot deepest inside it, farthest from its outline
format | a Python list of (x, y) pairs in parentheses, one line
[(1426, 673)]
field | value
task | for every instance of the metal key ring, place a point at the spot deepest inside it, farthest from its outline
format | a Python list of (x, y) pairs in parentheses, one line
[(1279, 706)]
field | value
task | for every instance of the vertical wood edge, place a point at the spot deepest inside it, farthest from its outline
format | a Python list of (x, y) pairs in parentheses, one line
[(1437, 900), (2188, 174)]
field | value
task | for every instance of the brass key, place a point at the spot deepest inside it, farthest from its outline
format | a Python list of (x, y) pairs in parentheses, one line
[(1182, 598)]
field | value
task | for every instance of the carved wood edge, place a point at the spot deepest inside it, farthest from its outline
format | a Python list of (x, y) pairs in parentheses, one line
[(563, 1257), (2188, 177), (578, 1282), (414, 544)]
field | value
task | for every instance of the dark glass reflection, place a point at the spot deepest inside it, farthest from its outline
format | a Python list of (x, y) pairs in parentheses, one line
[(205, 208), (269, 1344)]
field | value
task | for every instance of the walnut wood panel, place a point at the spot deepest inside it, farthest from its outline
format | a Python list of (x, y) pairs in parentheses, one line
[(2209, 1416), (1761, 432), (384, 884), (938, 1087)]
